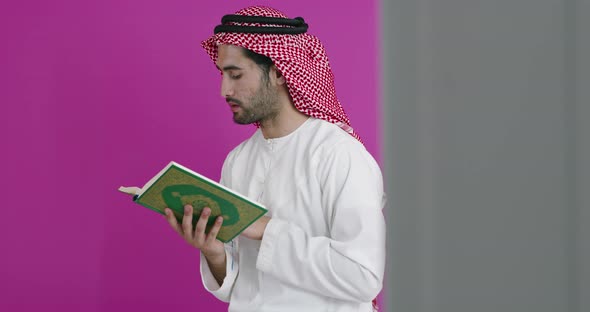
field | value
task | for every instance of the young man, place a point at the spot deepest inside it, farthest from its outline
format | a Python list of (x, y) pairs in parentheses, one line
[(321, 247)]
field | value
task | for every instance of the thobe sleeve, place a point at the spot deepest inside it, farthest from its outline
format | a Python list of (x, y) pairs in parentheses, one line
[(348, 264), (223, 291)]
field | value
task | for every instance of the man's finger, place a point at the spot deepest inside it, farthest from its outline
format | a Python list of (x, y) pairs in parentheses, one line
[(212, 235), (172, 221), (187, 222), (202, 225)]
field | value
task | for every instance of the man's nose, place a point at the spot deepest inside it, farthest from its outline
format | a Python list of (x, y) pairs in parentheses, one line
[(226, 88)]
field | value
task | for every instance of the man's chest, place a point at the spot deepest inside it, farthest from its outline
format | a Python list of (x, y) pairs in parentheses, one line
[(286, 183)]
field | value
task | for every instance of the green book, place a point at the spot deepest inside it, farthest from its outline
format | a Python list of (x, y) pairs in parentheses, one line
[(176, 186)]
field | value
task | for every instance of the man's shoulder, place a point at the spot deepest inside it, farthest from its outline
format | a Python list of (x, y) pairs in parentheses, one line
[(327, 136), (247, 143), (332, 143)]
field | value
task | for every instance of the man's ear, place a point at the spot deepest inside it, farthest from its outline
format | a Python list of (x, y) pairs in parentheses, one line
[(280, 79)]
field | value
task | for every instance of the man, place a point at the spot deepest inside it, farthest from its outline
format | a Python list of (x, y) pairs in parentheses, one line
[(321, 247)]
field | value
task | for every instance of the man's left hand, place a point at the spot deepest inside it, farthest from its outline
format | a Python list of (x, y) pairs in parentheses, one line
[(256, 230)]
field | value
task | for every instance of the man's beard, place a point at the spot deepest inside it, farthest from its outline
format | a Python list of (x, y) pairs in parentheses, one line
[(263, 106)]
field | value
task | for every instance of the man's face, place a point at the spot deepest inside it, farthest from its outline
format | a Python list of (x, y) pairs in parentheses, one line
[(246, 88)]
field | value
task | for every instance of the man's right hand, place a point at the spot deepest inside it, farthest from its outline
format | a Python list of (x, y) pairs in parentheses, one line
[(211, 248)]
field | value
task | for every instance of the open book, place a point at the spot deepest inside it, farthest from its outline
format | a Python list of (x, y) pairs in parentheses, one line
[(176, 186)]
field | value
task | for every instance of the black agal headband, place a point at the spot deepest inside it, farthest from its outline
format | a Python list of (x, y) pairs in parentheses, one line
[(295, 26)]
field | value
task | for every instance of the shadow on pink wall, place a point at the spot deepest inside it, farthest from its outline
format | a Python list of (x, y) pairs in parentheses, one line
[(102, 94)]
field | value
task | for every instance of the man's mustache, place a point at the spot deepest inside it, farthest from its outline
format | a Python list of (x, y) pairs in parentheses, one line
[(230, 100)]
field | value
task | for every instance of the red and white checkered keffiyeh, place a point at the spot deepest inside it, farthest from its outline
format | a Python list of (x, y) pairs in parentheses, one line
[(302, 60)]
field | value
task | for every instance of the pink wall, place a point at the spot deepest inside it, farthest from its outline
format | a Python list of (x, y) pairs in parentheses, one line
[(99, 94)]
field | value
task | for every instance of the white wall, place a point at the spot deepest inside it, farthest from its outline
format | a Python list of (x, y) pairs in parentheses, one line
[(487, 154)]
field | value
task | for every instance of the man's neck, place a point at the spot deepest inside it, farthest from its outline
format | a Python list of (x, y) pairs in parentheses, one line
[(287, 121)]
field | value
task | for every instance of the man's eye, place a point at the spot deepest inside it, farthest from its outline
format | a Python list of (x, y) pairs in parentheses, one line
[(235, 76)]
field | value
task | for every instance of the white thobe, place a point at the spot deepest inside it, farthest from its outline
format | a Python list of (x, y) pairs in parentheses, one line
[(324, 247)]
